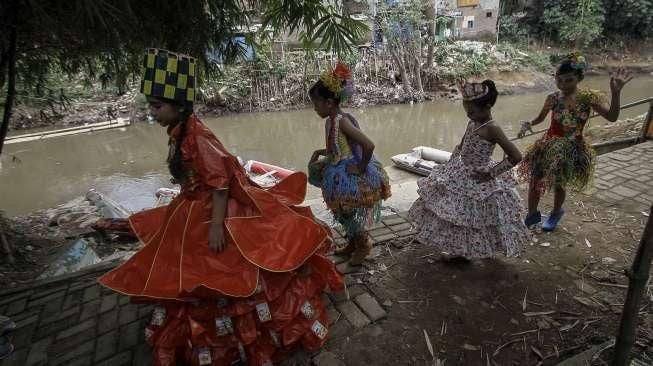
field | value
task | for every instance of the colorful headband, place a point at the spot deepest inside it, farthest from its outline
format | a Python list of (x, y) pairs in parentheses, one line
[(578, 61), (338, 81), (472, 91)]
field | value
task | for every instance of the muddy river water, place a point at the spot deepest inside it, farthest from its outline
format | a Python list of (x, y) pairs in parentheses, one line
[(128, 164)]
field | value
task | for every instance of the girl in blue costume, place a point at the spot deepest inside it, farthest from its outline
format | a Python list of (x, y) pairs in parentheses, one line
[(353, 182)]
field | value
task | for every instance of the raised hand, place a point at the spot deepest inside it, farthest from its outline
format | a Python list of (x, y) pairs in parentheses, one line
[(620, 78)]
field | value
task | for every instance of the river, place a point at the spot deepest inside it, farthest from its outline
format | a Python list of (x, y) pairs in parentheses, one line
[(128, 164)]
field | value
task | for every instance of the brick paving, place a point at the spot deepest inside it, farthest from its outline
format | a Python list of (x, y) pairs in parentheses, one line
[(71, 320), (626, 177)]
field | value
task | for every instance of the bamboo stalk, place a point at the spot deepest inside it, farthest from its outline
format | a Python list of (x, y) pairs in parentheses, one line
[(637, 278)]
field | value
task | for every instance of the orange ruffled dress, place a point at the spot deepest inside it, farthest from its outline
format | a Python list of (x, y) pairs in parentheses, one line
[(248, 303)]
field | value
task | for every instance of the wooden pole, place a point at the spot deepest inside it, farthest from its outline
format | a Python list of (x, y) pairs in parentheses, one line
[(7, 248), (11, 71), (637, 278), (647, 128)]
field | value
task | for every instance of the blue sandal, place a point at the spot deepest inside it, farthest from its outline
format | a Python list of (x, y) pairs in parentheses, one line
[(6, 348), (533, 219), (553, 220), (6, 325)]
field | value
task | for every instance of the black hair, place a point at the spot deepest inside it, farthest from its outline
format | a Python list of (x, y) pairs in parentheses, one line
[(175, 160), (489, 99), (567, 67), (319, 90)]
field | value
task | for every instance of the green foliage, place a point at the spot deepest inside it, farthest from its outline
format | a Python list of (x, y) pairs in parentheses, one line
[(317, 19), (351, 58), (539, 61), (575, 23), (230, 85), (581, 23), (512, 31), (463, 58), (629, 18), (402, 22), (108, 37)]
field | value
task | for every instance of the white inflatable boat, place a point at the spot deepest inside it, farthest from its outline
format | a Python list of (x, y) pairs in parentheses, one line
[(421, 160), (263, 174)]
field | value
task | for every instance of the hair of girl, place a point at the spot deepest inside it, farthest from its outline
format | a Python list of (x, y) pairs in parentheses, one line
[(490, 98), (320, 90), (568, 66), (175, 164)]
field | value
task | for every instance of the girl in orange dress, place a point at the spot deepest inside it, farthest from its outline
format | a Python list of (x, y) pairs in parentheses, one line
[(237, 269)]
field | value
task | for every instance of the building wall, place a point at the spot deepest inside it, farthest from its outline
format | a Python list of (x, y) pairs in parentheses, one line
[(481, 21), (478, 16), (485, 4)]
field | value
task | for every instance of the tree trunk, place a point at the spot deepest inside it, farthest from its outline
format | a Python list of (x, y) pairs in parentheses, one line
[(432, 21), (418, 78), (11, 79), (3, 65), (418, 58), (499, 15), (637, 279), (402, 70)]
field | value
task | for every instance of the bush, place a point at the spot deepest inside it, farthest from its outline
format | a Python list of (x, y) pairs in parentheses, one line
[(512, 31)]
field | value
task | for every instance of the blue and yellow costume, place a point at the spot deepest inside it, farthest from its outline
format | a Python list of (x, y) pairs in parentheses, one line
[(355, 200)]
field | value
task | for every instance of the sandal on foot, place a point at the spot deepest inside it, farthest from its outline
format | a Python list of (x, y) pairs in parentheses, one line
[(533, 219), (6, 348), (553, 220)]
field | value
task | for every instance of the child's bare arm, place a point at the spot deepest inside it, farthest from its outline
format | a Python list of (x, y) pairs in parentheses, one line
[(548, 105), (527, 125), (456, 149), (218, 212), (358, 136), (496, 135), (617, 82)]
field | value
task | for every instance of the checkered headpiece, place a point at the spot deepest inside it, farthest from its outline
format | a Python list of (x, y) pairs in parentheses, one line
[(169, 75)]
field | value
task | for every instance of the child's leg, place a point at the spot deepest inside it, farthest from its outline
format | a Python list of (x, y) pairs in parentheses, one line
[(363, 248), (345, 220), (556, 214), (533, 195), (348, 248), (559, 198)]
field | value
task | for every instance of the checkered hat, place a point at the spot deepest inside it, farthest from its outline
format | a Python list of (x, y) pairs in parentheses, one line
[(169, 75), (472, 91)]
